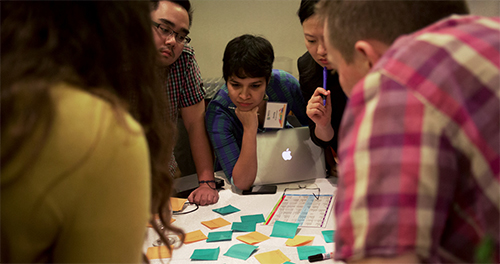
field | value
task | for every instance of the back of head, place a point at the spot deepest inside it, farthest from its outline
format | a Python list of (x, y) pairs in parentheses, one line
[(306, 9), (248, 56), (183, 3), (352, 20)]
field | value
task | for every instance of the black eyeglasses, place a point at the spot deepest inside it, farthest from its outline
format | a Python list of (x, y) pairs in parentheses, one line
[(316, 196), (167, 32)]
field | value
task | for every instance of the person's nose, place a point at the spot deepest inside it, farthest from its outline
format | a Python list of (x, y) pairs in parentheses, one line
[(244, 94), (321, 49), (170, 40)]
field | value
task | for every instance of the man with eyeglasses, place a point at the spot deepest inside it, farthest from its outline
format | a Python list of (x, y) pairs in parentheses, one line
[(171, 21)]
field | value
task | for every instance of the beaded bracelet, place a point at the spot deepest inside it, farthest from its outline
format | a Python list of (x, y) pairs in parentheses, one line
[(207, 182)]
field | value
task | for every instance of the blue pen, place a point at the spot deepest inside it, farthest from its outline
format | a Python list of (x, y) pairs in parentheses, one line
[(325, 75)]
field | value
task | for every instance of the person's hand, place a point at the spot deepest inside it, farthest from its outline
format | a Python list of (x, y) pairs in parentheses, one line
[(204, 195), (316, 111), (249, 119)]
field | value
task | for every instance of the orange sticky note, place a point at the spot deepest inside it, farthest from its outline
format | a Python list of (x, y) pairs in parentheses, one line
[(299, 241), (194, 236), (158, 252), (177, 203), (215, 223), (272, 257), (253, 238)]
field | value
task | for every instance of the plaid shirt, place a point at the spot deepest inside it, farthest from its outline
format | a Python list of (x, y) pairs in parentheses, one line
[(184, 87), (419, 148), (225, 129)]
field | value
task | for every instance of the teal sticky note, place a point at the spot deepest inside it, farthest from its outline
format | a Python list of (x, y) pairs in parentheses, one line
[(328, 236), (288, 262), (226, 210), (240, 251), (220, 236), (206, 254), (284, 229), (258, 218), (243, 226), (306, 251)]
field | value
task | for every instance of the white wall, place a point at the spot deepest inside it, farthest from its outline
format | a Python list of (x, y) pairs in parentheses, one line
[(216, 22)]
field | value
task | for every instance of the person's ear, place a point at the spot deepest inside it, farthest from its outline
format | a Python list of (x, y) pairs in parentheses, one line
[(370, 52)]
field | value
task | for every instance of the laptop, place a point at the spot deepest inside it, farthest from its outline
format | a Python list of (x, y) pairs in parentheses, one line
[(288, 155)]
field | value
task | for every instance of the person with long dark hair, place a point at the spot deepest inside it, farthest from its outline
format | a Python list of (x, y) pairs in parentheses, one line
[(83, 168)]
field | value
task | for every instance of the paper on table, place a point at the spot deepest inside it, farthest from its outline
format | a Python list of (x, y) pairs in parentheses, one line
[(240, 251), (253, 238), (306, 251), (284, 229), (206, 254), (299, 241), (220, 236), (328, 235), (215, 223), (272, 257), (226, 210), (194, 237), (158, 252), (177, 203), (258, 218), (243, 226), (275, 115)]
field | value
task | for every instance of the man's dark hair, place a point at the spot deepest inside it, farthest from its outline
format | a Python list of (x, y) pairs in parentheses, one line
[(248, 56), (184, 3), (352, 20), (306, 9)]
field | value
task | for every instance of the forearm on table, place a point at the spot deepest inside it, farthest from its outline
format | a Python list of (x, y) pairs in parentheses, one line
[(245, 169)]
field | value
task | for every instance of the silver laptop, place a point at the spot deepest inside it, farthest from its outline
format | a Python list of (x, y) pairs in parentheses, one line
[(288, 155)]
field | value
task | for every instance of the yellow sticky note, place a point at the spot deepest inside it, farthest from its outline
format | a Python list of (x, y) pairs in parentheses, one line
[(215, 223), (299, 241), (253, 238), (194, 236), (158, 252), (177, 203), (272, 257)]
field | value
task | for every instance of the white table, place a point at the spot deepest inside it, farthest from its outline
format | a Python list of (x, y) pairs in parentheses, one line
[(249, 205)]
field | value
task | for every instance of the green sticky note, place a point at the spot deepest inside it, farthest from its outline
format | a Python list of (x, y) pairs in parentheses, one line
[(288, 262), (284, 229), (226, 210), (220, 236), (206, 254), (328, 235), (240, 251), (306, 251), (243, 226), (258, 218)]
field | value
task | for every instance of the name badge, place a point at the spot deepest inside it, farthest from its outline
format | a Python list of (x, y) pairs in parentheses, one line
[(275, 115)]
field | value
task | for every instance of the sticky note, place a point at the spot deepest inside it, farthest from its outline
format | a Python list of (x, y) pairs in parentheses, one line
[(226, 210), (272, 257), (288, 262), (284, 229), (328, 235), (306, 251), (259, 218), (158, 252), (243, 226), (253, 238), (177, 203), (240, 251), (215, 223), (299, 241), (194, 237), (220, 236), (206, 254)]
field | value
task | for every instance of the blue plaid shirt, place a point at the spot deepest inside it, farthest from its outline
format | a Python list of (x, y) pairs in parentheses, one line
[(225, 129)]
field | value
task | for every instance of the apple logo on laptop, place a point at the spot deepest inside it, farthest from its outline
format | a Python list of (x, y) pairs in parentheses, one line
[(287, 154)]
